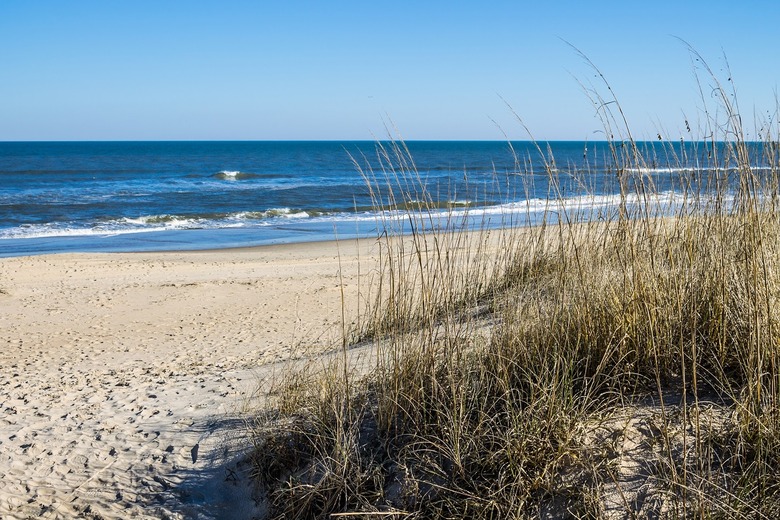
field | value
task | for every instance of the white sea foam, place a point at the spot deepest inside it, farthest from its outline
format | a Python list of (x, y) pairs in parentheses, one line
[(692, 169), (586, 207), (45, 231), (652, 170), (152, 223)]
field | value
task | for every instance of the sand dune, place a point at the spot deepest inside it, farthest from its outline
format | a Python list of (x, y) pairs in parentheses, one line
[(125, 378)]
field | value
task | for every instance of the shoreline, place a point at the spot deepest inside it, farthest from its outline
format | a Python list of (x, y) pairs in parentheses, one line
[(170, 241), (125, 376)]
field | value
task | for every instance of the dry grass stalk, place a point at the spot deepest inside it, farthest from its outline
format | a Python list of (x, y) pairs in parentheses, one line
[(582, 368)]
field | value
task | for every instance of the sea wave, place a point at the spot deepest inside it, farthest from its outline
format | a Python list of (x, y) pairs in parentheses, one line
[(235, 175), (654, 170), (588, 207), (650, 170), (151, 223)]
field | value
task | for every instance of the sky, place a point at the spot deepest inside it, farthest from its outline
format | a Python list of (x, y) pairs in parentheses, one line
[(343, 70)]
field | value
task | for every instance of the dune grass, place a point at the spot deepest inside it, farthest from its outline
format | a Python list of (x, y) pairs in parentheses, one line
[(615, 367)]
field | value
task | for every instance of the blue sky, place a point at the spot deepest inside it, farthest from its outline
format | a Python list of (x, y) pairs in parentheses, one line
[(138, 70)]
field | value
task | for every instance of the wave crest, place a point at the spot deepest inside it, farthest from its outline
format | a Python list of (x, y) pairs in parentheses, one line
[(235, 175)]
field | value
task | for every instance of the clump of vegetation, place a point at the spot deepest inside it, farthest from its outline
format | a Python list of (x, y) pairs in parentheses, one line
[(617, 367)]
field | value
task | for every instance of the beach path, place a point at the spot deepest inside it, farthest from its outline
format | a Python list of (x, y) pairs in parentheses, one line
[(125, 379)]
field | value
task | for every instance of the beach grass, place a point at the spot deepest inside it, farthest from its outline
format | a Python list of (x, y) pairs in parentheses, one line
[(615, 364)]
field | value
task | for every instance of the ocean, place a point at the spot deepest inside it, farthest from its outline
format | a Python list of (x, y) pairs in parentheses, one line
[(154, 196)]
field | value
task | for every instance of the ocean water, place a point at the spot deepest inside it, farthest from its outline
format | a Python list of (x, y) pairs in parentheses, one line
[(144, 196)]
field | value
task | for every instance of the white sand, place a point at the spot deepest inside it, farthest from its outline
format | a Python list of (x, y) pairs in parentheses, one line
[(123, 377)]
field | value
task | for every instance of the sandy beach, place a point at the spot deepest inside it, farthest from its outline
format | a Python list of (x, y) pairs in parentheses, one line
[(125, 379)]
